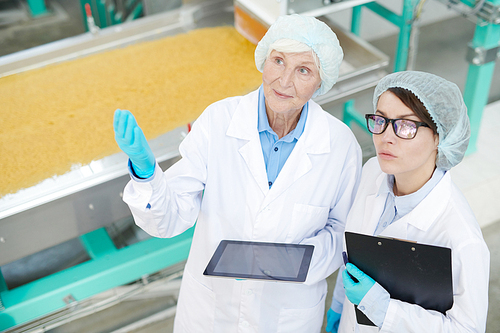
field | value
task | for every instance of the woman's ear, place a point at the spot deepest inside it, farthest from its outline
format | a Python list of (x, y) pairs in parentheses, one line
[(436, 140)]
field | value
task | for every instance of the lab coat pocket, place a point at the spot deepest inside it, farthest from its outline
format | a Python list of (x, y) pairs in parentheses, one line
[(308, 320), (306, 220), (196, 308)]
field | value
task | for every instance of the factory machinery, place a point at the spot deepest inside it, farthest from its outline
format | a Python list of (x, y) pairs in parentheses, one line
[(83, 208)]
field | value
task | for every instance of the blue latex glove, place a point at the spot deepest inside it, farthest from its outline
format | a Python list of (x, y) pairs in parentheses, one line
[(132, 141), (356, 291), (332, 321)]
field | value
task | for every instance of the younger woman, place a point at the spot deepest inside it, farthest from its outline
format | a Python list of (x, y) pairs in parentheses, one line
[(420, 131)]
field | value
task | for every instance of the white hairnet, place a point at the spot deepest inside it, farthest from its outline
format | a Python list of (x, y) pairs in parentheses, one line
[(312, 32), (443, 100)]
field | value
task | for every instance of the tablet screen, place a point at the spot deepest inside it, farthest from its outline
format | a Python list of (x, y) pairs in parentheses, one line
[(259, 260)]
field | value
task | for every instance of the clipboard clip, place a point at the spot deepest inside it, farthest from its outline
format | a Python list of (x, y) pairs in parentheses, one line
[(398, 239)]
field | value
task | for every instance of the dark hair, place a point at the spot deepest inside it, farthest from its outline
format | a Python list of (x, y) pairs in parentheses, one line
[(413, 103)]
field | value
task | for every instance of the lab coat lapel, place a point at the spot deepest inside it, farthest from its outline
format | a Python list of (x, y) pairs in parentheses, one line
[(314, 140), (432, 206), (373, 209), (297, 165), (243, 126), (398, 229), (374, 206), (252, 154), (422, 216)]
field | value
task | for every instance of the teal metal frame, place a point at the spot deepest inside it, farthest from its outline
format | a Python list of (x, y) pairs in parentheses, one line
[(404, 23), (37, 8), (350, 115), (109, 268), (105, 13), (478, 83)]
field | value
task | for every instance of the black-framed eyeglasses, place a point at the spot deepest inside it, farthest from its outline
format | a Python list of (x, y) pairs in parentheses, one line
[(404, 128)]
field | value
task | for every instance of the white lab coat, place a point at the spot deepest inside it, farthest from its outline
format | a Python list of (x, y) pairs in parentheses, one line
[(221, 182), (442, 218)]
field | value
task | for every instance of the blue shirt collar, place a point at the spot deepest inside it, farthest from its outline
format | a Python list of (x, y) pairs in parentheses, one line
[(263, 121), (406, 203)]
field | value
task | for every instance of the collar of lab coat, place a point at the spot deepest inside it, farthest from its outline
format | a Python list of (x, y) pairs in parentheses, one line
[(316, 136), (314, 140), (429, 209)]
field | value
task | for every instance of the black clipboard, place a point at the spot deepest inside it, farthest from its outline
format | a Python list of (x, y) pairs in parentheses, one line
[(411, 272), (261, 260)]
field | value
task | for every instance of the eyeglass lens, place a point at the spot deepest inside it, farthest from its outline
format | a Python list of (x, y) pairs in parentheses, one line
[(405, 129)]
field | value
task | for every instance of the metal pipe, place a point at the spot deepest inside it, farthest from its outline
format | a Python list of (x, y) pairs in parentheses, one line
[(162, 315)]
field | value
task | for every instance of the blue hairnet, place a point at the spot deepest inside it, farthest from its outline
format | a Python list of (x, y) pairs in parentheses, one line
[(312, 32), (443, 100)]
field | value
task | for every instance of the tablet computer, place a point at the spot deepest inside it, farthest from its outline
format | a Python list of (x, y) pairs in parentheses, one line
[(261, 260)]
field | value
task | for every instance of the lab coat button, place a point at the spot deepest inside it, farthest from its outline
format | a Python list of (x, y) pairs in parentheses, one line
[(245, 324), (362, 308), (249, 292)]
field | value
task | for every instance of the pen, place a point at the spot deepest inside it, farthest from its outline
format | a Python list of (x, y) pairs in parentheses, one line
[(346, 261)]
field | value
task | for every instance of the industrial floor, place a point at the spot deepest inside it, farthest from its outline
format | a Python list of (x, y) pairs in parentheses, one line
[(442, 49)]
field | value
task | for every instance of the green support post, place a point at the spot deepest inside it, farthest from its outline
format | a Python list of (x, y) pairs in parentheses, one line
[(3, 285), (104, 20), (404, 36), (404, 23), (136, 12), (479, 76), (350, 114), (37, 7), (115, 18), (356, 20), (97, 243), (105, 13), (388, 14)]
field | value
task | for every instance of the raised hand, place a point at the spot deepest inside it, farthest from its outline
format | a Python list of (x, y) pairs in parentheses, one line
[(132, 141)]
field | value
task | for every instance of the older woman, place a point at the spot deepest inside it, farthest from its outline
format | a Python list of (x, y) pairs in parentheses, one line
[(270, 166), (420, 131)]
